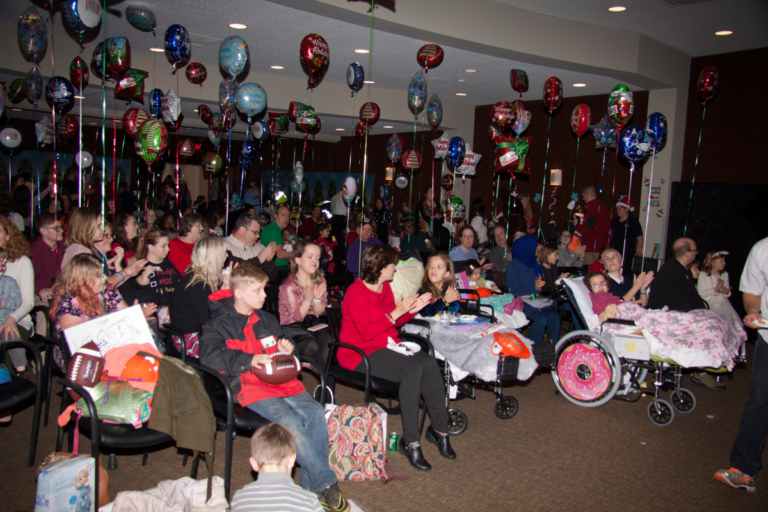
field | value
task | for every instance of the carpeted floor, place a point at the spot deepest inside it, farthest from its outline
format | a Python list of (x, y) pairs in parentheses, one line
[(552, 456)]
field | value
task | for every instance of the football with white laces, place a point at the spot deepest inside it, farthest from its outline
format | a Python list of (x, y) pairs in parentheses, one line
[(86, 367)]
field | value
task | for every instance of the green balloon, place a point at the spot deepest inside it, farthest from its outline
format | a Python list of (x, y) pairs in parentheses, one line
[(151, 140), (213, 163)]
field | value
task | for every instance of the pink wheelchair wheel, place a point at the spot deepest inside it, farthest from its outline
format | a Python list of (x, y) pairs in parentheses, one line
[(586, 370)]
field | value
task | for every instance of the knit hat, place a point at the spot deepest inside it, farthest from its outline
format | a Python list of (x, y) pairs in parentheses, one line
[(624, 202)]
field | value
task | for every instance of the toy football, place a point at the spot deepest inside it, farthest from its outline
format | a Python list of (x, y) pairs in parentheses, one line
[(85, 367), (283, 368)]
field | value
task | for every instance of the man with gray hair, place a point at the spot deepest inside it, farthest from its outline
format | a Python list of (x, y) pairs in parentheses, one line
[(243, 246), (674, 285)]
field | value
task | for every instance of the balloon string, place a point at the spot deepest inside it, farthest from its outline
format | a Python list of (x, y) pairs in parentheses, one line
[(114, 157), (509, 200), (648, 209), (695, 165), (544, 178), (370, 45), (573, 185), (226, 200), (242, 168), (362, 194)]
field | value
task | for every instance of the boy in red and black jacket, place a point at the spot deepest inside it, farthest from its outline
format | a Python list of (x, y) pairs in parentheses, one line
[(240, 336)]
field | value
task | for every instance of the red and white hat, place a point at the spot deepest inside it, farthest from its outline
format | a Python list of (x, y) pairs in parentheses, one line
[(624, 202)]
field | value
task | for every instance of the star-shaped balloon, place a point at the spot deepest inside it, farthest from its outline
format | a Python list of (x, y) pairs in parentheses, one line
[(537, 198), (441, 146), (605, 133), (468, 166), (574, 197)]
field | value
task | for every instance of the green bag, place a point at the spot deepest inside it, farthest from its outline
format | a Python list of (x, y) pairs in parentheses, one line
[(118, 402)]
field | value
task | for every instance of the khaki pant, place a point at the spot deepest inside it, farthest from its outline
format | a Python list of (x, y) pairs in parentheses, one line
[(590, 257)]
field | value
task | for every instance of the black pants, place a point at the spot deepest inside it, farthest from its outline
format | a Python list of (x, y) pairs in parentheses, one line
[(313, 344), (419, 376)]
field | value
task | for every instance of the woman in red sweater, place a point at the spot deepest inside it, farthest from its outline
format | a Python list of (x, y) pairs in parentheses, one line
[(370, 319)]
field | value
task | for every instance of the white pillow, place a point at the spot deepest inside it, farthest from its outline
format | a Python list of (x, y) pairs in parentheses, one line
[(581, 294)]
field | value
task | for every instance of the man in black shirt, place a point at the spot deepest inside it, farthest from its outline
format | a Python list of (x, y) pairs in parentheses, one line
[(674, 285), (626, 233), (69, 188)]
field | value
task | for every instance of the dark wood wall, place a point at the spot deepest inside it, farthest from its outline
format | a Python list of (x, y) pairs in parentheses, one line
[(734, 137)]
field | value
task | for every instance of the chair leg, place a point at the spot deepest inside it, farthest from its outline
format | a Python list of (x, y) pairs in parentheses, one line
[(48, 380), (195, 465), (230, 433), (184, 460), (35, 427), (112, 463), (144, 458)]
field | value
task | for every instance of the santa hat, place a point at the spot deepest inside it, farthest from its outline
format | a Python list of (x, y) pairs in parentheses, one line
[(624, 202)]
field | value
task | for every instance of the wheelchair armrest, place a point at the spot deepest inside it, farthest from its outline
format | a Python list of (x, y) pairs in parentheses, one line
[(365, 360), (307, 362), (620, 321), (423, 342)]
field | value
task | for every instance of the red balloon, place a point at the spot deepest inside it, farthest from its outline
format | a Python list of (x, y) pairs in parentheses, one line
[(205, 113), (185, 149), (196, 73), (78, 73), (708, 83), (315, 55), (315, 129), (519, 105), (503, 115), (360, 131), (133, 119), (294, 107), (369, 113), (67, 127), (411, 160), (553, 93), (274, 128), (430, 56), (519, 79), (580, 119)]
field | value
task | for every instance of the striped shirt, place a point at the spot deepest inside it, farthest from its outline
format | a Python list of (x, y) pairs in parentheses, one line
[(274, 492)]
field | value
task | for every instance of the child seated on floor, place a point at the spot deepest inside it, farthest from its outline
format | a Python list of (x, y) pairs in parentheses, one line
[(474, 271), (273, 454)]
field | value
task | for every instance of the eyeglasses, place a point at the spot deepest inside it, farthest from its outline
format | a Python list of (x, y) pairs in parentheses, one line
[(601, 284), (133, 222), (109, 235), (257, 233), (467, 236), (693, 250), (56, 228)]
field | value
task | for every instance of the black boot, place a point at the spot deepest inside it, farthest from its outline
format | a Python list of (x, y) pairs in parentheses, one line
[(442, 441), (414, 455)]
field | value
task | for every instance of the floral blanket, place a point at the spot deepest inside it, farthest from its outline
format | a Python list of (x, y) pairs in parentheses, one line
[(699, 338)]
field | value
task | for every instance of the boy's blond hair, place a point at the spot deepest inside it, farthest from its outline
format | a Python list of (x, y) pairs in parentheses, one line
[(245, 274), (272, 444)]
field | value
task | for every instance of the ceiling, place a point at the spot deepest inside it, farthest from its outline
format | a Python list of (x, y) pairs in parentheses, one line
[(275, 31)]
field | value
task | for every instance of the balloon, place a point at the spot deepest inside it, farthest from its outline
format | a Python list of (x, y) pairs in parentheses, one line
[(708, 83), (605, 133), (212, 162), (152, 140), (97, 62), (250, 99), (171, 107), (260, 131), (16, 91), (233, 55), (580, 118), (456, 149), (306, 119), (133, 119), (44, 131), (248, 149), (178, 47), (78, 73), (83, 159), (441, 146), (434, 111), (130, 85), (510, 155), (349, 189), (283, 124), (185, 149), (60, 94), (457, 208), (315, 55), (411, 160), (503, 115), (141, 18), (395, 148), (429, 56), (33, 85), (553, 93), (634, 143), (196, 73), (215, 138), (81, 15), (314, 80), (621, 106), (227, 96), (385, 192), (156, 102), (274, 129), (316, 129), (402, 181), (117, 52), (361, 129), (68, 127), (298, 187), (204, 111), (656, 126), (519, 80), (494, 133), (469, 166), (293, 109), (11, 140), (522, 122), (298, 172), (355, 77), (417, 93), (447, 182), (369, 113), (32, 33)]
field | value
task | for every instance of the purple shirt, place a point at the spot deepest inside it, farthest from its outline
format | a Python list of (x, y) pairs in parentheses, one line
[(355, 251), (46, 262)]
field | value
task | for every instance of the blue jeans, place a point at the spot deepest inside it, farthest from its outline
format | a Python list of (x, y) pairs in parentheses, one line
[(305, 419), (544, 318), (746, 454)]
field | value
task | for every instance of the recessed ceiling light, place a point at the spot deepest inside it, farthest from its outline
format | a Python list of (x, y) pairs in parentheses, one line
[(339, 129), (17, 110), (277, 67), (470, 70), (724, 32), (617, 8), (361, 50), (388, 126), (238, 26), (159, 50), (79, 97), (194, 110), (368, 82), (461, 94), (579, 85), (92, 124), (460, 80)]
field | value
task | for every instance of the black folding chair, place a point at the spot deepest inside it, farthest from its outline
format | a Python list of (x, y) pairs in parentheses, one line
[(19, 393)]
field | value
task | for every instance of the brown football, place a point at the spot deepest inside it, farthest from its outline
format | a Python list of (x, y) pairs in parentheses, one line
[(85, 367), (283, 368)]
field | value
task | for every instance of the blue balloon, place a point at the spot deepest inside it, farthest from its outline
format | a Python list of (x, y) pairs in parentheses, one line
[(178, 47), (60, 94), (417, 93), (250, 99), (656, 126), (141, 18), (156, 103), (434, 111), (33, 85), (248, 150), (634, 143), (355, 77), (233, 55), (81, 15), (456, 151)]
